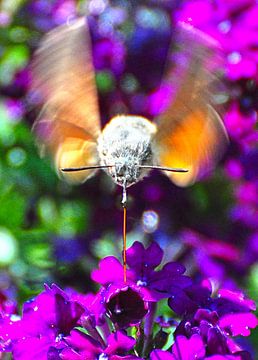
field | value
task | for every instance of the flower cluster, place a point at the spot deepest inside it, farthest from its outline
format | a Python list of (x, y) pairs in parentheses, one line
[(121, 321), (232, 24)]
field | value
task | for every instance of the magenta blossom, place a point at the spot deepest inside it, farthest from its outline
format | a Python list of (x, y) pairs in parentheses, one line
[(73, 326), (183, 349), (153, 284), (193, 348), (81, 346), (227, 315), (232, 24), (127, 303), (44, 322)]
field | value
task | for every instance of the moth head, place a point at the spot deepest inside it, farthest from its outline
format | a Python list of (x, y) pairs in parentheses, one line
[(125, 172)]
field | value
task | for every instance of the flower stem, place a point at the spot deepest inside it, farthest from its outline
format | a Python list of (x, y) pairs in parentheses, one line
[(88, 325), (105, 330), (148, 325)]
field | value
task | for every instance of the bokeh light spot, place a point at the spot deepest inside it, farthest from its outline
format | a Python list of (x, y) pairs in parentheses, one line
[(7, 136), (234, 57), (150, 221), (224, 27), (19, 34), (8, 247), (16, 157), (129, 83), (150, 18), (96, 7)]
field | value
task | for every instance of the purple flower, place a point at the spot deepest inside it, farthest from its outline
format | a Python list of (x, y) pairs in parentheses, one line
[(235, 314), (110, 271), (7, 306), (245, 214), (212, 254), (212, 247), (63, 11), (240, 126), (45, 321), (182, 349), (160, 283), (15, 109), (246, 193), (81, 346), (109, 54), (244, 210), (249, 163), (234, 169), (127, 303), (205, 326), (94, 305), (125, 306), (189, 299), (58, 325), (194, 348), (238, 324), (124, 303), (153, 284), (227, 315), (159, 99), (236, 34)]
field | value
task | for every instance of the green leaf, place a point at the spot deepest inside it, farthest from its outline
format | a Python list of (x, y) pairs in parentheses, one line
[(12, 209), (14, 58)]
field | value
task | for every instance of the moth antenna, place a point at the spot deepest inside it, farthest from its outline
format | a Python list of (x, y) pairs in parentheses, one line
[(72, 169), (162, 168)]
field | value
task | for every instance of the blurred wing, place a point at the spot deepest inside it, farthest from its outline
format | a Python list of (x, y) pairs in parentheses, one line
[(190, 133), (63, 77)]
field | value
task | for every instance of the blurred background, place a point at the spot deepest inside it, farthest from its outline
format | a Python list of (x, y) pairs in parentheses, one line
[(53, 232)]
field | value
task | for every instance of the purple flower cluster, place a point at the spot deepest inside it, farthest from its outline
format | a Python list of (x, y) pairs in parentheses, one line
[(233, 25), (120, 321)]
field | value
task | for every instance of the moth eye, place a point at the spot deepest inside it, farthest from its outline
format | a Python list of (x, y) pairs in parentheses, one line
[(104, 152)]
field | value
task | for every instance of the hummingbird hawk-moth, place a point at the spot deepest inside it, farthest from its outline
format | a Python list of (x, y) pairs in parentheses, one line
[(185, 139)]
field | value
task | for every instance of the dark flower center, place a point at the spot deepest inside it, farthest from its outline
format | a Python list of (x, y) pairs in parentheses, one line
[(126, 308)]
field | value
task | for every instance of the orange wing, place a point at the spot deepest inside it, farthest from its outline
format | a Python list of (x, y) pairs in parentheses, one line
[(190, 133), (63, 77)]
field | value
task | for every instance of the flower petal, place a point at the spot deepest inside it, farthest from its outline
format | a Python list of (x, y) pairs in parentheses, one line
[(80, 341), (139, 258), (119, 342), (238, 324), (185, 349), (109, 271), (161, 355)]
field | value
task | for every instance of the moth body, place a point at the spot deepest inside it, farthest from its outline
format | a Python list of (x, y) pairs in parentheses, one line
[(126, 143), (184, 141)]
